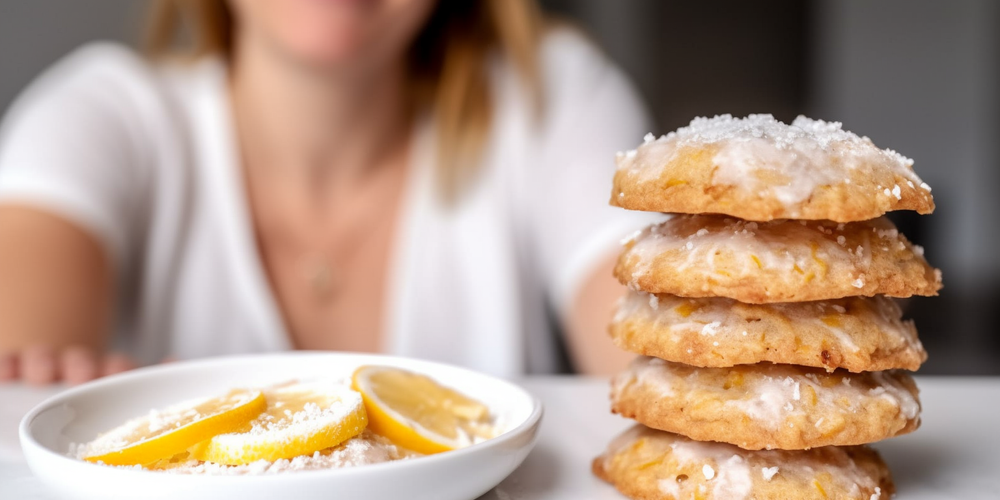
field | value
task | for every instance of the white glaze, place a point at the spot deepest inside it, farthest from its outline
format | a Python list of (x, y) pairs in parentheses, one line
[(753, 248), (759, 147), (730, 475), (773, 393), (718, 316)]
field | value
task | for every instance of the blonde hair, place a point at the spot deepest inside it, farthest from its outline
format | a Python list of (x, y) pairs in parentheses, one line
[(447, 60)]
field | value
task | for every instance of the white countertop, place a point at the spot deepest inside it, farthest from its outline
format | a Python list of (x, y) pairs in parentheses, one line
[(955, 454)]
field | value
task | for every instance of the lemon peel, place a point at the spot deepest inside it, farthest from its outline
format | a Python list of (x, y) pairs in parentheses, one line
[(417, 413), (163, 434), (300, 419)]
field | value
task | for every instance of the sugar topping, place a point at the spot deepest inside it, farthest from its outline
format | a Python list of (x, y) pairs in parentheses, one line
[(768, 472), (762, 158), (822, 134), (365, 449), (730, 476), (708, 471)]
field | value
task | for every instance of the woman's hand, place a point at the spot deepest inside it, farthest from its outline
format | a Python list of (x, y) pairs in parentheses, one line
[(55, 300), (40, 365), (590, 346)]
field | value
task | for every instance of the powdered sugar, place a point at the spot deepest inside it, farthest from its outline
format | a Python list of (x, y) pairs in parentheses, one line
[(362, 450)]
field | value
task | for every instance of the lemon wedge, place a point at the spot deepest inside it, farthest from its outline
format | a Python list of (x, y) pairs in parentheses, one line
[(163, 434), (301, 418), (417, 413)]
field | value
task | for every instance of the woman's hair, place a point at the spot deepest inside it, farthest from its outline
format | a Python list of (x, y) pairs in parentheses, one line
[(447, 63)]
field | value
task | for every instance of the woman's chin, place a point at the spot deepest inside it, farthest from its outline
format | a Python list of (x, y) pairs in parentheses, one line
[(341, 55)]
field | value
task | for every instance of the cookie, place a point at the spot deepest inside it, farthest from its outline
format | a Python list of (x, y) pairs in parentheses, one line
[(778, 261), (758, 168), (857, 334), (767, 406), (647, 464)]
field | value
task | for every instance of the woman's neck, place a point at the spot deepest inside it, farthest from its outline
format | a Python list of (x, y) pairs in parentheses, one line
[(316, 125)]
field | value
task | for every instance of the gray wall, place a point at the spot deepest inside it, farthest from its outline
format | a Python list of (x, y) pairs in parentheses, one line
[(35, 33), (921, 76)]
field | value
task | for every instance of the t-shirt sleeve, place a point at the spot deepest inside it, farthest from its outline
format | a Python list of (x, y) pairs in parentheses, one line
[(70, 144), (594, 112)]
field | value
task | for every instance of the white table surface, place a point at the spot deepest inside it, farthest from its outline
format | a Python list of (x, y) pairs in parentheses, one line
[(955, 454)]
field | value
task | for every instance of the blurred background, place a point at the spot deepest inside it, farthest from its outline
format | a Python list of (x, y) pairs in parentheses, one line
[(919, 76)]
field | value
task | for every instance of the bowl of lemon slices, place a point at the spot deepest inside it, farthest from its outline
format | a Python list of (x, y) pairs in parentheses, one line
[(293, 425)]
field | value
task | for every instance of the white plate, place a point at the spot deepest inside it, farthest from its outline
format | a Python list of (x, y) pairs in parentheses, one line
[(79, 414)]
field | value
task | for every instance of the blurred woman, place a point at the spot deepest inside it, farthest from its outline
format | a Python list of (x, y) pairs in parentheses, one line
[(418, 177)]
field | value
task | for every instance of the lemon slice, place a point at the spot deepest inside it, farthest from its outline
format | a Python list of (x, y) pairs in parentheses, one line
[(417, 413), (163, 434), (300, 419)]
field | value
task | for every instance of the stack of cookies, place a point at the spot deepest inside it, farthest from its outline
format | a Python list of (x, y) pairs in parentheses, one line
[(770, 349)]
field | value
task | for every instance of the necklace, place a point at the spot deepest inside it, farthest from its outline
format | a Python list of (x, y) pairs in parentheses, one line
[(321, 277)]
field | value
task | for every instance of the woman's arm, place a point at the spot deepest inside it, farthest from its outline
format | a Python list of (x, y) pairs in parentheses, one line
[(55, 300), (73, 150), (590, 346)]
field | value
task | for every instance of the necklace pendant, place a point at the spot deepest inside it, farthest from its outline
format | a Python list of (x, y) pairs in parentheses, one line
[(321, 279)]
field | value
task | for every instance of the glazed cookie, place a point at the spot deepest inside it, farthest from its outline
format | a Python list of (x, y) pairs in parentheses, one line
[(859, 334), (767, 406), (647, 464), (778, 261), (757, 168)]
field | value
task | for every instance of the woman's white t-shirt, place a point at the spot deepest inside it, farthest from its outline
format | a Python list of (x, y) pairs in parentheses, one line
[(143, 156)]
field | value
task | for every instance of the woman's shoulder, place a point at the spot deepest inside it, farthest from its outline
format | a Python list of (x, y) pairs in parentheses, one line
[(104, 78), (96, 67), (85, 94), (103, 57)]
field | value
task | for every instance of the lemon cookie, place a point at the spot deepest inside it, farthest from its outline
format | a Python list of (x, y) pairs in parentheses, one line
[(856, 333), (766, 405), (778, 261), (647, 464), (758, 168)]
